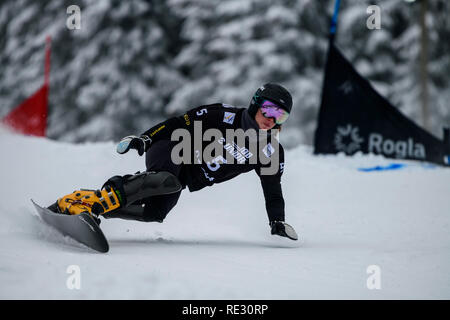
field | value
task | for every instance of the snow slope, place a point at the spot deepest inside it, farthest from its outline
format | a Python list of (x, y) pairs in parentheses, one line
[(216, 244)]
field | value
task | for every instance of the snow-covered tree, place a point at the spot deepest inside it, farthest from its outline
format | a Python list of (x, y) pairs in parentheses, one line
[(234, 46), (134, 63), (390, 56), (109, 78)]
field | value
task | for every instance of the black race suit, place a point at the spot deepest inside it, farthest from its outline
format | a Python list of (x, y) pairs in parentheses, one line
[(216, 169)]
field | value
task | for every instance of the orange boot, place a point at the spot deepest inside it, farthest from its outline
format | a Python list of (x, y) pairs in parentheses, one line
[(95, 202)]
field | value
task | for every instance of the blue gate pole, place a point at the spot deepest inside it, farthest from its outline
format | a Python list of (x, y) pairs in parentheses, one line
[(334, 19)]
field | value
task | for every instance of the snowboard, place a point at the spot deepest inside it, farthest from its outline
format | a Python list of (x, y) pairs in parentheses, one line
[(82, 227)]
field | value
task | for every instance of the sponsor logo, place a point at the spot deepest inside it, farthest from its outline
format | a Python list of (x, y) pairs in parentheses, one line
[(186, 119), (399, 149), (347, 139), (227, 105), (268, 150), (229, 117), (157, 130), (238, 153)]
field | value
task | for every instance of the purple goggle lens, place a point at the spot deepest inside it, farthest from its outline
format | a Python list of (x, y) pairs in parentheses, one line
[(271, 110)]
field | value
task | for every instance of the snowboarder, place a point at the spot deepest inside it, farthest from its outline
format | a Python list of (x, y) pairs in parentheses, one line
[(150, 195)]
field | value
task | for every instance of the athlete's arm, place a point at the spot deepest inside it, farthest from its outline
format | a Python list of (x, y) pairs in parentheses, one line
[(271, 185), (163, 131), (273, 195)]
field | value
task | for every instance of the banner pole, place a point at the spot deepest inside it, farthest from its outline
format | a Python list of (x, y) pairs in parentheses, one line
[(48, 46), (333, 28), (334, 19), (48, 43)]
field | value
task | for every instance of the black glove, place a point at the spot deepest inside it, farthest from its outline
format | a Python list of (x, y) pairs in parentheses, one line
[(282, 229), (141, 144)]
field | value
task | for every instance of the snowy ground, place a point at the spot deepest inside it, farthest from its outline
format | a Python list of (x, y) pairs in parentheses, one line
[(220, 248)]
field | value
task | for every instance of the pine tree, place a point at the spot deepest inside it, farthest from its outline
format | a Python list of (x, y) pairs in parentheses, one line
[(111, 77), (234, 46), (389, 57), (134, 63)]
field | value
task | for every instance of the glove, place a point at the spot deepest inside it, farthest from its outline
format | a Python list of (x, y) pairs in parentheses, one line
[(141, 144), (282, 229)]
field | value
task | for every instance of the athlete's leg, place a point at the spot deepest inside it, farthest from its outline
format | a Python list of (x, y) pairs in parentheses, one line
[(150, 207)]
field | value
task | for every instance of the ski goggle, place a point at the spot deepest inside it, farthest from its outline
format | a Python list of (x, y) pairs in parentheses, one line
[(271, 110)]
